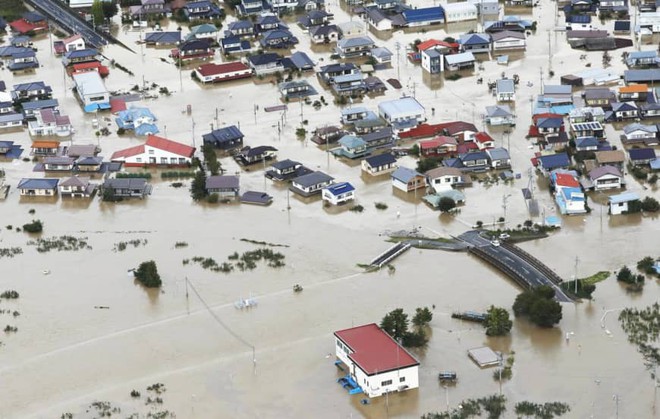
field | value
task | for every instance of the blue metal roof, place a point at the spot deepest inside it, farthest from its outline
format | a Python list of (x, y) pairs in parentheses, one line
[(301, 60), (27, 183), (554, 161), (578, 18), (583, 142), (163, 37), (423, 15), (381, 160), (81, 53), (641, 153), (405, 174), (623, 197), (230, 133), (340, 188)]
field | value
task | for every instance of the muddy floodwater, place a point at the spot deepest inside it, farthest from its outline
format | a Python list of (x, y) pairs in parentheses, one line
[(87, 332)]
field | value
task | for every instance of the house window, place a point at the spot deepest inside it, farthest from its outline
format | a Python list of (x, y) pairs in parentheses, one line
[(386, 383), (402, 379), (163, 160), (138, 159), (151, 152)]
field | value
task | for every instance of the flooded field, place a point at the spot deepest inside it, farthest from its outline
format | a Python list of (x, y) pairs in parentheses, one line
[(277, 361)]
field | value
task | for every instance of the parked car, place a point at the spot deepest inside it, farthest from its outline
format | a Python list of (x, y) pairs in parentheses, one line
[(504, 236), (449, 376)]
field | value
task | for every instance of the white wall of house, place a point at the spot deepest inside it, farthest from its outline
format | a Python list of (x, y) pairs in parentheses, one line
[(216, 77), (444, 183), (38, 192), (312, 188), (378, 170), (509, 43), (75, 45), (153, 155), (618, 208), (607, 181), (378, 384), (337, 199)]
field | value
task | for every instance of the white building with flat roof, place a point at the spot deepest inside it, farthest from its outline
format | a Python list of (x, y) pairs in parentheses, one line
[(401, 110), (92, 91)]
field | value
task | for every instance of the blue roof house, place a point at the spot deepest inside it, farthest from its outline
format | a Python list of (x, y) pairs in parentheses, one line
[(226, 138), (202, 9), (551, 162), (424, 16), (163, 38), (571, 201), (379, 164), (407, 180), (278, 38), (137, 119), (38, 187), (24, 60), (641, 156), (586, 144), (338, 193), (475, 42), (233, 44), (475, 161), (352, 147), (240, 28), (619, 203)]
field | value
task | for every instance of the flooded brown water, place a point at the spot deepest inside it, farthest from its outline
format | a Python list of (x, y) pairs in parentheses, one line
[(67, 354)]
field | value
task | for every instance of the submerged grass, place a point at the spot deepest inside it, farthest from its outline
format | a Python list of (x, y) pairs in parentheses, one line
[(61, 244)]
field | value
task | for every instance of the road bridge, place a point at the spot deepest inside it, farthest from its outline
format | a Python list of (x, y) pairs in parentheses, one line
[(69, 20), (523, 268)]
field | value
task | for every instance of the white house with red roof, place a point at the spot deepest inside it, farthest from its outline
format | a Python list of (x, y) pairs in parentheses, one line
[(484, 141), (73, 43), (375, 361), (211, 73), (157, 151)]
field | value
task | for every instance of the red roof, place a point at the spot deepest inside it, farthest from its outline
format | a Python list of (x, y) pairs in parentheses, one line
[(564, 179), (117, 105), (547, 115), (422, 46), (374, 351), (483, 137), (466, 147), (127, 152), (425, 130), (213, 69), (72, 38), (170, 146), (21, 26), (434, 143)]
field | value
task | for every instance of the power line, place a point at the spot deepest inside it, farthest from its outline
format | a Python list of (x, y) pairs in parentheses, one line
[(220, 322)]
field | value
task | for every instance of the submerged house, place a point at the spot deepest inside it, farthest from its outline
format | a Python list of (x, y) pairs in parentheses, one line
[(311, 184), (137, 119), (286, 170), (251, 155), (568, 195), (225, 138), (49, 122), (338, 193), (619, 203), (37, 187), (377, 364), (77, 187), (379, 164), (408, 180), (126, 188), (156, 151), (225, 186)]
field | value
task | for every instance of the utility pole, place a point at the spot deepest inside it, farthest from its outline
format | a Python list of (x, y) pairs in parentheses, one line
[(616, 400), (576, 270), (549, 54), (397, 45)]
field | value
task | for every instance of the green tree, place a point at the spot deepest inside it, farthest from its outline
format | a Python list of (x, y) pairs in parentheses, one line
[(650, 204), (395, 323), (545, 312), (97, 12), (422, 317), (539, 306), (497, 322), (625, 275), (147, 274), (198, 186), (414, 150), (424, 165), (109, 9), (446, 204)]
